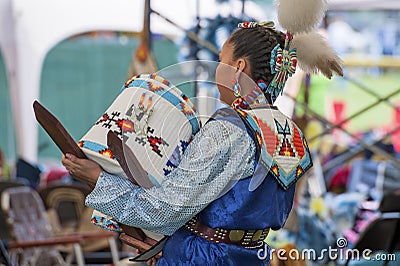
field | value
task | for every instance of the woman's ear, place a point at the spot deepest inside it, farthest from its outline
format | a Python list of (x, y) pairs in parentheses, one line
[(240, 67), (241, 64)]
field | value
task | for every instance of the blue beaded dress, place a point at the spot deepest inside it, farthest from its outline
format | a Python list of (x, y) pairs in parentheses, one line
[(212, 182)]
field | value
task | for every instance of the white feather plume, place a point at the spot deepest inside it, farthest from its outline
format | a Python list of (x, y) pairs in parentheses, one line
[(314, 54), (297, 16)]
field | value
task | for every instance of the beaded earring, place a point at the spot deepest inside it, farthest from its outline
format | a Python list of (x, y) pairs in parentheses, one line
[(236, 87)]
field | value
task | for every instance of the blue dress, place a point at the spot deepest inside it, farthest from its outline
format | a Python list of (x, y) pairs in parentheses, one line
[(212, 182), (268, 206)]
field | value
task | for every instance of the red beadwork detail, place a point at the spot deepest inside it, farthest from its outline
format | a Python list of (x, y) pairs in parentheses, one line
[(275, 169), (80, 143), (107, 152), (299, 171), (298, 142), (126, 125), (154, 87), (286, 149), (271, 140)]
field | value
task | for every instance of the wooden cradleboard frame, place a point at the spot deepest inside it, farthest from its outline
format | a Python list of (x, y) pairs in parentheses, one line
[(128, 161), (132, 236), (56, 131), (58, 134)]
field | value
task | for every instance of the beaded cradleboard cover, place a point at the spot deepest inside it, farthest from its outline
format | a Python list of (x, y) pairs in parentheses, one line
[(155, 119)]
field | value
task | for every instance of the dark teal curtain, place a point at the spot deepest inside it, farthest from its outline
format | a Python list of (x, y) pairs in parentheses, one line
[(82, 76), (7, 130)]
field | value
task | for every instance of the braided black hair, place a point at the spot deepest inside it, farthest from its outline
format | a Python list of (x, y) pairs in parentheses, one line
[(256, 44)]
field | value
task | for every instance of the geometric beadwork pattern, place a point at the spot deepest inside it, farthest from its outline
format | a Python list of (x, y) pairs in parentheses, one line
[(155, 120), (105, 222), (284, 150), (153, 117)]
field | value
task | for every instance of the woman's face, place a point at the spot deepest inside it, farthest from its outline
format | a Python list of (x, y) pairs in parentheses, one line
[(225, 74)]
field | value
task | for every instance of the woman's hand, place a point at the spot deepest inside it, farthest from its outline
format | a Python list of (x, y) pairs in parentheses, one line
[(82, 169)]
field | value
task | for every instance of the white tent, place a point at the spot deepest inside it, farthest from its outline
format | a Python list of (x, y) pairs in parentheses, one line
[(29, 29)]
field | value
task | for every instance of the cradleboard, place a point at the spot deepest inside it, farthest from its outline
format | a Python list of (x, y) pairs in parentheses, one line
[(155, 120), (141, 136)]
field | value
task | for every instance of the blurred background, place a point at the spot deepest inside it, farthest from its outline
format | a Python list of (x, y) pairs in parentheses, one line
[(74, 56)]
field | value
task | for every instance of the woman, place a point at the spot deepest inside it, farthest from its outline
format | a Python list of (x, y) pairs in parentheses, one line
[(232, 207)]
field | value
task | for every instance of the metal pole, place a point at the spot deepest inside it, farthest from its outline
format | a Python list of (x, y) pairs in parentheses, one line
[(368, 90), (368, 146), (146, 23), (197, 49), (206, 44), (80, 261), (355, 115), (114, 250), (353, 152)]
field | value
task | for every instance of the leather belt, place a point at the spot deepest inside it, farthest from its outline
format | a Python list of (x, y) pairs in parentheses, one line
[(244, 238)]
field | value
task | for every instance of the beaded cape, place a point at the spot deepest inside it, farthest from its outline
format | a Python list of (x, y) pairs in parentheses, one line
[(281, 145)]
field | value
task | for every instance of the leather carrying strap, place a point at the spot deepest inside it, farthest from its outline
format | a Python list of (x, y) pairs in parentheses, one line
[(149, 248)]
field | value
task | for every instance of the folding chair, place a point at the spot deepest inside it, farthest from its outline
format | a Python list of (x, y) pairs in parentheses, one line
[(390, 202), (34, 241), (381, 235), (4, 257), (68, 202), (5, 234)]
